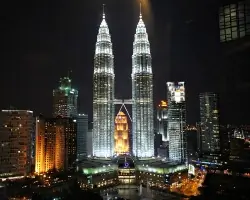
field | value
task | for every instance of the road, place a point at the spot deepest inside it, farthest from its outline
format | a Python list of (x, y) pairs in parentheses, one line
[(131, 192)]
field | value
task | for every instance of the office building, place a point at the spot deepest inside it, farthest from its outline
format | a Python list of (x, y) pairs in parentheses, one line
[(15, 139), (56, 146), (209, 123), (142, 94), (121, 136), (234, 20), (157, 142), (234, 24), (82, 132), (103, 94), (65, 99), (162, 120), (177, 122), (50, 145), (90, 142)]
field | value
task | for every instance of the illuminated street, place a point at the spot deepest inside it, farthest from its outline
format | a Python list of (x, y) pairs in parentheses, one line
[(189, 187), (131, 192)]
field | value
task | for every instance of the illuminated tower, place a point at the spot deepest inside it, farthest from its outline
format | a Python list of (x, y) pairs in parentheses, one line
[(40, 146), (162, 119), (65, 99), (177, 122), (142, 94), (209, 116), (55, 143), (103, 94), (121, 134)]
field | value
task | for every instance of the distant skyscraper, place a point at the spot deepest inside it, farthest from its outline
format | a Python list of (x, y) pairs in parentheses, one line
[(16, 128), (103, 94), (82, 132), (65, 99), (177, 122), (234, 20), (209, 123), (121, 134), (142, 94), (162, 120)]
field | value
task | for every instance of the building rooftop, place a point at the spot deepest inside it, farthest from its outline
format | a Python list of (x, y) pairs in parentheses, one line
[(158, 166), (95, 166)]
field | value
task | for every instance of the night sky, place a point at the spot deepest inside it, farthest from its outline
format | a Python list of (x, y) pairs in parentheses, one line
[(42, 40)]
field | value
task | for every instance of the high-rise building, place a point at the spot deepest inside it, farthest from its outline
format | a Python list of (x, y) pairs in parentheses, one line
[(50, 145), (55, 143), (40, 146), (162, 116), (157, 142), (15, 139), (209, 123), (234, 24), (177, 122), (234, 19), (121, 134), (142, 94), (70, 129), (103, 94), (82, 134), (90, 142), (65, 99)]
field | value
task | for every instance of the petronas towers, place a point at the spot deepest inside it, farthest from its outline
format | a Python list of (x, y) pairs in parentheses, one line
[(103, 94)]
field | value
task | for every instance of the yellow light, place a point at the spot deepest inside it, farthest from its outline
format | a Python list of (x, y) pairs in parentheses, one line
[(163, 104), (121, 134)]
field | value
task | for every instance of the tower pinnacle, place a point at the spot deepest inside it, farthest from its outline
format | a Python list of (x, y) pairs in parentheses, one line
[(140, 11), (103, 12)]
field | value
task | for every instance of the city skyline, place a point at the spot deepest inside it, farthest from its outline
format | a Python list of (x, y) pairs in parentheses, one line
[(127, 99), (59, 48)]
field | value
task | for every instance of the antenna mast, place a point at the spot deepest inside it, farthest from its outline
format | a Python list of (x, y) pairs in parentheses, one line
[(103, 11), (140, 11)]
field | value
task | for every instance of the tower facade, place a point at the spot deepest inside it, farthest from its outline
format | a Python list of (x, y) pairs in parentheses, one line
[(142, 94), (209, 123), (56, 146), (177, 122), (121, 134), (162, 120), (16, 128), (103, 94), (65, 99), (82, 134)]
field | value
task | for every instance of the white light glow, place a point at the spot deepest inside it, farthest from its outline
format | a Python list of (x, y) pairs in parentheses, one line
[(103, 94), (142, 95)]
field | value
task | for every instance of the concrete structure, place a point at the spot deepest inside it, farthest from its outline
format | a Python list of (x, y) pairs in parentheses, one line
[(142, 94), (65, 99), (177, 122), (103, 94), (209, 123), (121, 134), (56, 146), (162, 120), (16, 127), (82, 136)]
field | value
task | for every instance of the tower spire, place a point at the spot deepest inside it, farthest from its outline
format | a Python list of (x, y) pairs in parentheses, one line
[(69, 73), (140, 11), (103, 11)]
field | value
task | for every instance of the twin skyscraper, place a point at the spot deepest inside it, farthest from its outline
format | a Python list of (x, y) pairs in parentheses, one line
[(104, 97)]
